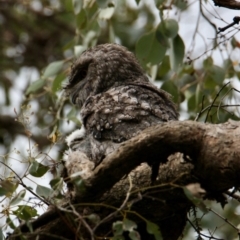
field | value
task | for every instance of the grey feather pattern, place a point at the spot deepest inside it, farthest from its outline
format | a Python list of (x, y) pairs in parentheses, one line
[(116, 98)]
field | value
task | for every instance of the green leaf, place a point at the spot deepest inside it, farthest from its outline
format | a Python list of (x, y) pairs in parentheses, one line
[(77, 6), (209, 83), (37, 169), (164, 68), (78, 50), (134, 235), (199, 95), (182, 5), (57, 82), (229, 68), (44, 191), (192, 103), (217, 74), (106, 13), (149, 49), (72, 116), (1, 235), (129, 225), (102, 3), (117, 228), (93, 218), (159, 2), (10, 223), (53, 68), (56, 183), (153, 228), (169, 28), (78, 183), (25, 212), (171, 88), (160, 36), (193, 193), (81, 19), (18, 198), (177, 51), (7, 187), (208, 62), (35, 86)]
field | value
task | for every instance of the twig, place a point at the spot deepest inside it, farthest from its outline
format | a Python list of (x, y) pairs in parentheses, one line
[(80, 218), (83, 221), (226, 220), (110, 216), (233, 195), (201, 234), (217, 95), (50, 235), (209, 21), (25, 186), (201, 111), (236, 20)]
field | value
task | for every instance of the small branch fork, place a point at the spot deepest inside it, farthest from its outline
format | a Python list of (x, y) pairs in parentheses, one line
[(236, 20)]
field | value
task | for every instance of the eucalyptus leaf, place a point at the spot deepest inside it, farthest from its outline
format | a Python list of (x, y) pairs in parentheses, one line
[(153, 228), (56, 183), (35, 86), (117, 228), (52, 69), (164, 68), (192, 103), (1, 235), (149, 49), (161, 37), (106, 13), (194, 193), (176, 53), (171, 88), (217, 74), (10, 223), (7, 187), (37, 169), (25, 212), (78, 50), (93, 218), (134, 235), (77, 6), (81, 19), (172, 28), (102, 3), (18, 198), (57, 83), (129, 225), (44, 191)]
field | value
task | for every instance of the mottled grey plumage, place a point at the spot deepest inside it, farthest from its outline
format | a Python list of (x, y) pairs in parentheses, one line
[(116, 98)]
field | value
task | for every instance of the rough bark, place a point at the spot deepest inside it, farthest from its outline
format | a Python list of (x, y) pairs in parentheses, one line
[(210, 156), (231, 4)]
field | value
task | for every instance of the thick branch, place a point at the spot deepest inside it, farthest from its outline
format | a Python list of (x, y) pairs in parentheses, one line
[(213, 149), (212, 153), (232, 4)]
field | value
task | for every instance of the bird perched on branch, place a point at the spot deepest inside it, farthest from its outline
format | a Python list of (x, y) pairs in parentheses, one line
[(117, 102)]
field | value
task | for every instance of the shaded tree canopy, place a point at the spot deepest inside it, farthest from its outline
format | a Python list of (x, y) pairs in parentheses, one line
[(189, 49)]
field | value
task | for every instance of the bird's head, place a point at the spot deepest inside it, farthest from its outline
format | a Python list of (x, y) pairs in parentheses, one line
[(101, 68)]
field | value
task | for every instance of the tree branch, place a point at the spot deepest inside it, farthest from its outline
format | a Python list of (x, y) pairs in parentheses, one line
[(232, 4), (212, 157)]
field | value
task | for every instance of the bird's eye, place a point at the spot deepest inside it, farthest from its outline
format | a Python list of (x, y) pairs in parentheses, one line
[(79, 74)]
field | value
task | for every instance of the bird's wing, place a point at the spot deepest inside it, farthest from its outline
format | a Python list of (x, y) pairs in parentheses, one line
[(123, 112)]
